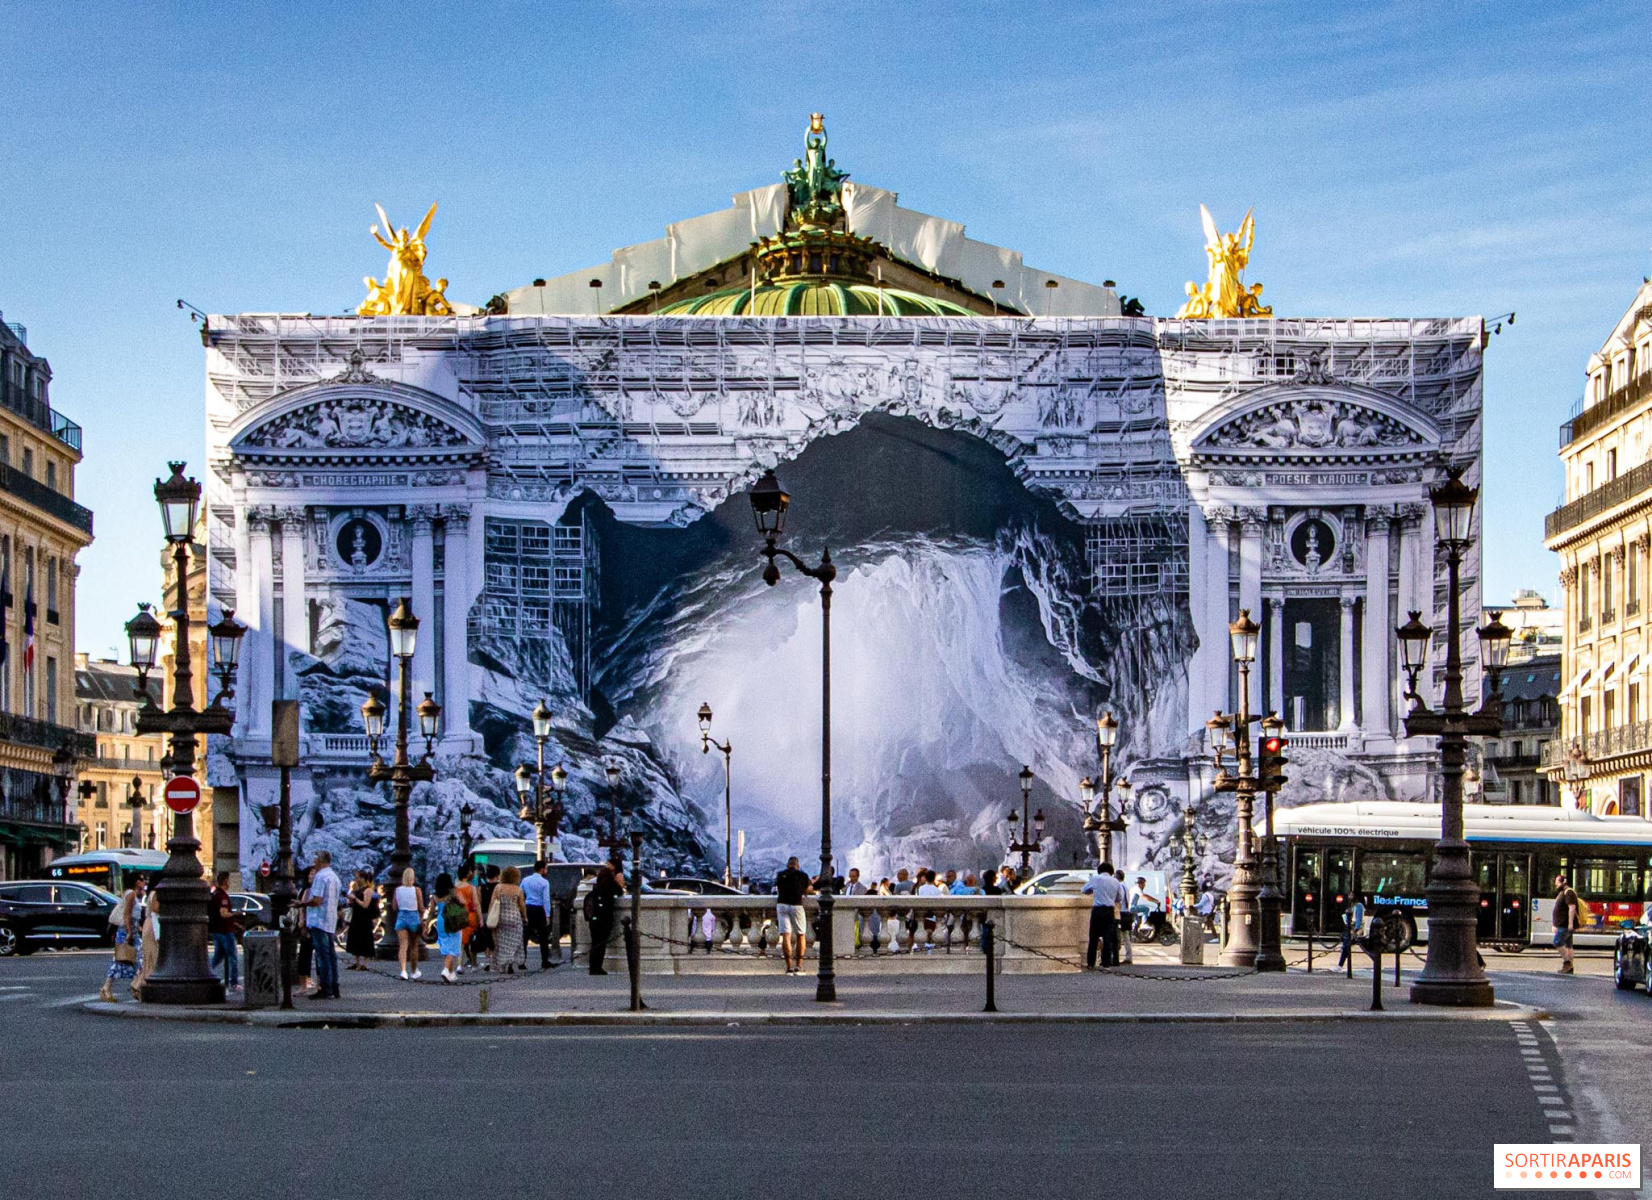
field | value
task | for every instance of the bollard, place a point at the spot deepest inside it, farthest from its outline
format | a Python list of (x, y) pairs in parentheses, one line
[(1373, 947), (1351, 945), (1310, 952), (988, 947), (632, 964), (482, 999), (1398, 952)]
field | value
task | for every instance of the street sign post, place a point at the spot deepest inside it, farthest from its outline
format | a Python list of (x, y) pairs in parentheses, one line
[(182, 794)]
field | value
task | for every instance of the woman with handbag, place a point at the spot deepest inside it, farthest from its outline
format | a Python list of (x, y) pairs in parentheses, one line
[(481, 942), (449, 915), (468, 896), (508, 922), (149, 941), (364, 915), (125, 919)]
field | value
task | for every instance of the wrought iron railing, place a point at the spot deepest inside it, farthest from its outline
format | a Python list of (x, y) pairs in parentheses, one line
[(40, 414), (30, 732), (32, 491), (1603, 743), (1615, 403), (1631, 484)]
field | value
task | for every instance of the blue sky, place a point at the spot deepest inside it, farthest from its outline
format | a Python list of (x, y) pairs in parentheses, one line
[(1404, 161)]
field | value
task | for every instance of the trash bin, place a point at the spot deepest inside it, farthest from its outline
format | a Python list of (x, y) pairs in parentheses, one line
[(261, 972)]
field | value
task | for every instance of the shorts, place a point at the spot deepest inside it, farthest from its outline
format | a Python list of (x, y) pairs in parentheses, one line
[(1563, 937), (790, 918), (407, 920)]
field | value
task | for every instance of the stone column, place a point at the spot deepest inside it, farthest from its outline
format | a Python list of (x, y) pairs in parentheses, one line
[(456, 602), (1276, 658), (1213, 657), (1379, 629), (1416, 575), (424, 599), (261, 680), (1199, 585), (1345, 666), (1250, 561), (295, 626)]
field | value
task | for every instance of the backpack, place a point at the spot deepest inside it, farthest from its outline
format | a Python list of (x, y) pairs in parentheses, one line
[(455, 916)]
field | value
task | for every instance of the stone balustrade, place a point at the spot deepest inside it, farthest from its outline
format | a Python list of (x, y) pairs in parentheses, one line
[(683, 934)]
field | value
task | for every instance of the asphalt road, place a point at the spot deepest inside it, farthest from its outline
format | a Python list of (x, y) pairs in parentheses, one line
[(90, 1105)]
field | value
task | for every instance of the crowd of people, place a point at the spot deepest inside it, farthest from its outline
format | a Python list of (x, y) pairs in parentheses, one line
[(488, 917)]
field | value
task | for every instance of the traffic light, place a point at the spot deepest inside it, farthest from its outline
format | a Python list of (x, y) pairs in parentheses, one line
[(1272, 767)]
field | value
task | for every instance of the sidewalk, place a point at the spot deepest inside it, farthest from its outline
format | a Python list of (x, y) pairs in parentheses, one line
[(1156, 989)]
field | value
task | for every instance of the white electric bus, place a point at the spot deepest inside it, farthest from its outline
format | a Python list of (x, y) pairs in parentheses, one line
[(1382, 851)]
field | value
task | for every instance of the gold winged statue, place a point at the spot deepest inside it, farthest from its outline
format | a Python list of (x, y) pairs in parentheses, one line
[(405, 290), (1224, 294)]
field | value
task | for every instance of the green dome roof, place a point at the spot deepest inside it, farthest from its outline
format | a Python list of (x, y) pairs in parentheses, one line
[(814, 298)]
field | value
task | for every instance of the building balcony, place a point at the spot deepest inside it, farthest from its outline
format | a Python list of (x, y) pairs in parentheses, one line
[(34, 810), (1615, 404), (1632, 608), (1608, 616), (56, 504), (26, 731), (1635, 483), (1584, 624), (1514, 762), (40, 414), (1603, 744)]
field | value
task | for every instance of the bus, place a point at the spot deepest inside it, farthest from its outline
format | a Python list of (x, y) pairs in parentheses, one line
[(1382, 851), (111, 870)]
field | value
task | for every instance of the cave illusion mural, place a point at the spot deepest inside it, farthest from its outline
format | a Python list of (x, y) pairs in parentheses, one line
[(1043, 506)]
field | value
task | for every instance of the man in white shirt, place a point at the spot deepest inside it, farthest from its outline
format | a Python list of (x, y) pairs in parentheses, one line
[(1106, 895), (536, 898), (929, 888), (321, 920)]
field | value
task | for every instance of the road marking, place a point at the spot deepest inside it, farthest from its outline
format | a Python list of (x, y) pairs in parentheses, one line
[(72, 1000), (15, 987)]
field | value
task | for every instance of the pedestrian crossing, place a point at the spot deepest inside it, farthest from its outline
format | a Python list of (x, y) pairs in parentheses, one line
[(1550, 1095)]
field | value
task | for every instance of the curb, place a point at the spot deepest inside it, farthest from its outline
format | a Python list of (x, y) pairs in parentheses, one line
[(316, 1019)]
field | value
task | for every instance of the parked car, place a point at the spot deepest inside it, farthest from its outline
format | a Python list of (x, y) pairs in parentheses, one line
[(253, 909), (687, 883), (36, 913), (1055, 883), (1632, 957)]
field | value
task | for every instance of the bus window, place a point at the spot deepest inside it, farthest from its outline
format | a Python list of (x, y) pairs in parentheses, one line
[(1393, 879), (1610, 887)]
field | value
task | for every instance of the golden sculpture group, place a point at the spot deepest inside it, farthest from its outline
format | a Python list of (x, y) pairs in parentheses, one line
[(405, 290), (1224, 294)]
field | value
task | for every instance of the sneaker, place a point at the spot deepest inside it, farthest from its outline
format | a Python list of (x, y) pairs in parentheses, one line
[(449, 976), (404, 975), (417, 974)]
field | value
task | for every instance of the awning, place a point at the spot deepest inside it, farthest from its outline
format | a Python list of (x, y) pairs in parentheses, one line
[(1578, 680)]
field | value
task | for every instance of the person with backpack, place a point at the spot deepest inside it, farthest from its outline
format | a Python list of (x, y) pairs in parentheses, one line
[(481, 944), (1567, 909), (449, 916)]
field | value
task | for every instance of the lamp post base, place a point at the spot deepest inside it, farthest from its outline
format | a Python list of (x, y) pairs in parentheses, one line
[(1454, 993)]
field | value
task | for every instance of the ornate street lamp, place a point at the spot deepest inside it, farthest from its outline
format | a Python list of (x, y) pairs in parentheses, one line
[(1030, 840), (706, 743), (544, 811), (769, 502), (466, 812), (616, 839), (402, 772), (1103, 825), (1452, 974), (1244, 907), (182, 976)]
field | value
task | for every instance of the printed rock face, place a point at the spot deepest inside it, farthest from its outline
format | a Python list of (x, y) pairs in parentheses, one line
[(966, 642)]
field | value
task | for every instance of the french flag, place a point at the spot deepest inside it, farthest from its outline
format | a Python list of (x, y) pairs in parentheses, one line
[(28, 630)]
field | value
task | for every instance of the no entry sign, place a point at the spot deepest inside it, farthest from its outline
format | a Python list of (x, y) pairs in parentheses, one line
[(182, 794)]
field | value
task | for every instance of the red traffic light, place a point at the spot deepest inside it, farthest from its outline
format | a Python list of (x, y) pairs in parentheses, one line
[(1274, 745)]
